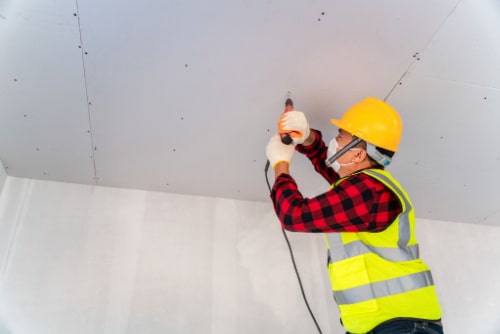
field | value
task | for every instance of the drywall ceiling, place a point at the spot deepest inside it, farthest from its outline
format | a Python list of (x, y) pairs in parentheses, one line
[(182, 96)]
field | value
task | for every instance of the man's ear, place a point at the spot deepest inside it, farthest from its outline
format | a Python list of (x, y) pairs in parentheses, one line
[(360, 156)]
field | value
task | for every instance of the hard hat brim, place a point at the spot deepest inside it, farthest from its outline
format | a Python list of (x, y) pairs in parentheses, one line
[(336, 122)]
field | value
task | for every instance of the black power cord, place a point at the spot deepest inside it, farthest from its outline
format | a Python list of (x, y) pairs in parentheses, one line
[(293, 259)]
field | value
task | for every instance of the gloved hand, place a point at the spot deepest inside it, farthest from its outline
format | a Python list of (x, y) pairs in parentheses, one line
[(276, 151), (295, 123)]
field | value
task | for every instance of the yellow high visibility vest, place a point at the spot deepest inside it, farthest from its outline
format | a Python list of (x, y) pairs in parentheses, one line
[(378, 276)]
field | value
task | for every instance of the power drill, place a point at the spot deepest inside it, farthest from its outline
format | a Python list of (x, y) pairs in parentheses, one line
[(285, 137)]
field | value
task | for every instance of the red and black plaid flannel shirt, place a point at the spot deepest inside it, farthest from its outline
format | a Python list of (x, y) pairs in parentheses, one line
[(359, 203)]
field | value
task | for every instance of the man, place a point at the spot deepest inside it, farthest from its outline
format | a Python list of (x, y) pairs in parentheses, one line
[(379, 283)]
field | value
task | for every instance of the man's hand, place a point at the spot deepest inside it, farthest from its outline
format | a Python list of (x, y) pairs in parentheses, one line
[(277, 152), (295, 123)]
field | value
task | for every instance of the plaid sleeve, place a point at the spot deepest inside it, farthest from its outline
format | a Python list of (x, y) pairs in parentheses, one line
[(316, 153), (358, 204)]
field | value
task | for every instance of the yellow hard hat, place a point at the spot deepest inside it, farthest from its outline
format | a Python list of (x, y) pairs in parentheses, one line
[(374, 121)]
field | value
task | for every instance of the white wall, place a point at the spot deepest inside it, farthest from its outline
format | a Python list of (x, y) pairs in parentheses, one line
[(464, 259), (3, 177), (82, 259)]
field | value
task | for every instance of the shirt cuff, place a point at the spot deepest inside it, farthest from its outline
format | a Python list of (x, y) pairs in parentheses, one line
[(314, 146)]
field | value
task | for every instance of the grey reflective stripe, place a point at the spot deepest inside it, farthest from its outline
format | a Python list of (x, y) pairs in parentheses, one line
[(337, 249), (383, 288), (358, 248), (404, 223)]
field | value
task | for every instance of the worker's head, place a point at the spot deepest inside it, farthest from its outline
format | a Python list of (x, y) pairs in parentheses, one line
[(371, 128)]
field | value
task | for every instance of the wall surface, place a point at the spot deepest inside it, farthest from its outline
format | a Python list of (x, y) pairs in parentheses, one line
[(84, 259), (89, 259), (3, 177)]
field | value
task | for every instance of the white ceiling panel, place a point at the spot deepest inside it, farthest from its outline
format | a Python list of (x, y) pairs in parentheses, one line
[(467, 47), (182, 96), (43, 121), (183, 93), (449, 155)]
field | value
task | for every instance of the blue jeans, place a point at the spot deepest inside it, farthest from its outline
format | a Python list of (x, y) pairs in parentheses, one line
[(407, 327)]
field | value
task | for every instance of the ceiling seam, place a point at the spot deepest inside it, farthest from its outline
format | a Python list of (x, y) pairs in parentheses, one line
[(441, 25), (456, 81), (83, 52), (422, 49)]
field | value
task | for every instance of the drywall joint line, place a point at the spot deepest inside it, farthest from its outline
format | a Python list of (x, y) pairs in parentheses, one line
[(441, 25), (83, 52), (397, 82), (13, 234), (423, 49), (456, 81)]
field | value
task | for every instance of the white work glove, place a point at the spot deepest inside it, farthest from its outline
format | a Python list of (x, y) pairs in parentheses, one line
[(294, 123), (276, 151)]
